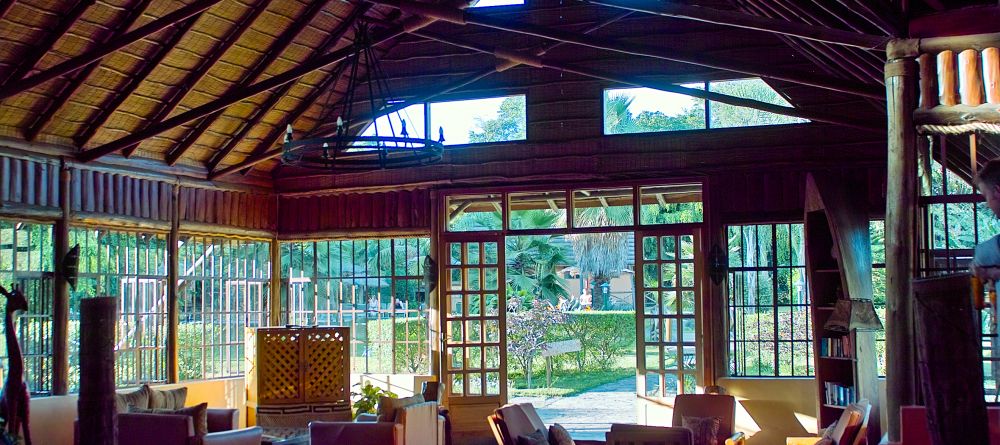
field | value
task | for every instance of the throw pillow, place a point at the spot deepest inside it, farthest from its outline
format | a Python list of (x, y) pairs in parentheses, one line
[(168, 399), (536, 438), (705, 430), (388, 407), (559, 436), (197, 413), (138, 398)]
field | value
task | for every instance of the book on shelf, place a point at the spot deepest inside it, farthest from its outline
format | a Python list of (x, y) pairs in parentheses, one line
[(836, 347), (840, 395)]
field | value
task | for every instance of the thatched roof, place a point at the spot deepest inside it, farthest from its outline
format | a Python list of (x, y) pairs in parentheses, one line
[(233, 44)]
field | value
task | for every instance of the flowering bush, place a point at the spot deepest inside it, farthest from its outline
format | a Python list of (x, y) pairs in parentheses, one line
[(526, 333)]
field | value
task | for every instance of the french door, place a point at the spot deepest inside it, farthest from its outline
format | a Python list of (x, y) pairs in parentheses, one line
[(473, 308), (668, 295)]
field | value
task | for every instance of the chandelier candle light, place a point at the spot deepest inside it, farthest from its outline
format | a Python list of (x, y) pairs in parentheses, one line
[(351, 152)]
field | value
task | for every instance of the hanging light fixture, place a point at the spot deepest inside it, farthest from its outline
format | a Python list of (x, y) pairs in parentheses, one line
[(345, 151)]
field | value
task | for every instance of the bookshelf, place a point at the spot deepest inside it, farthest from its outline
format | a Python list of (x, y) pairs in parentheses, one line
[(838, 265)]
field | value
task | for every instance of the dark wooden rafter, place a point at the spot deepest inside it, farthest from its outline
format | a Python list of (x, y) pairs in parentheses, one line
[(245, 92), (740, 20), (250, 75), (876, 12), (98, 53), (663, 86), (5, 6), (26, 62), (327, 129), (330, 42), (460, 17), (192, 78), (122, 93), (77, 79)]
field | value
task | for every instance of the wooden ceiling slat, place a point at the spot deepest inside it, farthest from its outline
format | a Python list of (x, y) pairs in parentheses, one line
[(875, 12), (869, 63), (673, 54), (38, 50), (77, 79), (251, 75), (330, 42), (5, 6), (98, 53), (728, 18), (204, 66), (134, 80)]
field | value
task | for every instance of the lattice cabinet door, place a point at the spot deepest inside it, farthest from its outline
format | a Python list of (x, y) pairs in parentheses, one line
[(473, 308), (326, 361), (668, 298), (278, 370)]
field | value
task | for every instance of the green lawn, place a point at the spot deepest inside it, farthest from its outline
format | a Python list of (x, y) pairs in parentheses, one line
[(568, 383)]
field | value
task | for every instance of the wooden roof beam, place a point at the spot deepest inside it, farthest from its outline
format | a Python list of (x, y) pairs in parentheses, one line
[(132, 83), (99, 52), (870, 11), (252, 74), (328, 129), (663, 86), (77, 79), (328, 43), (248, 91), (676, 55), (746, 21), (204, 66), (38, 49), (5, 6)]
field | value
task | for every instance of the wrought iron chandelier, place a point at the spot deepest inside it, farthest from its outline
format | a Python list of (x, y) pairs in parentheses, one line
[(346, 151)]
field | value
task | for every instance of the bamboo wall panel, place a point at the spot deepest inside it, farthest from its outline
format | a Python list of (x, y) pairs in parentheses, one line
[(29, 183), (228, 208), (119, 195), (405, 209)]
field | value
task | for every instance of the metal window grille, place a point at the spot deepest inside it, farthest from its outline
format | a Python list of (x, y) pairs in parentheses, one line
[(223, 288), (770, 328), (131, 266), (954, 218), (26, 261), (373, 286)]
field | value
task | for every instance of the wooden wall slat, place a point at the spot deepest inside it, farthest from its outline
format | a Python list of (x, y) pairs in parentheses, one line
[(405, 209)]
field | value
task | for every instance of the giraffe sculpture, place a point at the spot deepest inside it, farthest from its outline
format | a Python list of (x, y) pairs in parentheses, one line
[(14, 398)]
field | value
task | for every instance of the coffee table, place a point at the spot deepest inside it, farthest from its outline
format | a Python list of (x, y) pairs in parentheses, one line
[(285, 436)]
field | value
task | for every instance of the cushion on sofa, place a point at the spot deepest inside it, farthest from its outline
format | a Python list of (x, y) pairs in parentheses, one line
[(167, 399), (198, 414), (388, 407), (138, 399), (535, 438), (703, 429)]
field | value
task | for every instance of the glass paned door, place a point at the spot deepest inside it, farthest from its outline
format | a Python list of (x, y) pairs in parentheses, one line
[(475, 361), (667, 337)]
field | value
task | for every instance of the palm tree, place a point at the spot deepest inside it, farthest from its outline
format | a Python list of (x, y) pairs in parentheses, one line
[(617, 118), (532, 259), (602, 255)]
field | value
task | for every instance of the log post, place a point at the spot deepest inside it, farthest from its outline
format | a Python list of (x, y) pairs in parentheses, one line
[(274, 303), (173, 317), (60, 297), (96, 406), (901, 200)]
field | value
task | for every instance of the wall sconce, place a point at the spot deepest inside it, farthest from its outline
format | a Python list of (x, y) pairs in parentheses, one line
[(718, 265)]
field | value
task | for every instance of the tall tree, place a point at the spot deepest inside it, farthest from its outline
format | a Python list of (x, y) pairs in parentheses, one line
[(509, 125)]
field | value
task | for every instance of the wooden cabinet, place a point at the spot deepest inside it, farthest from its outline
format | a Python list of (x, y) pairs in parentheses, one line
[(838, 265)]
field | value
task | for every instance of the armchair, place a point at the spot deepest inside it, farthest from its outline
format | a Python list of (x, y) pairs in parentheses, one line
[(510, 421), (710, 405), (850, 429), (176, 429)]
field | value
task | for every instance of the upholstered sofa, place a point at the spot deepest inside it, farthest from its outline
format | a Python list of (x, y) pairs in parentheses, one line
[(417, 424), (177, 429)]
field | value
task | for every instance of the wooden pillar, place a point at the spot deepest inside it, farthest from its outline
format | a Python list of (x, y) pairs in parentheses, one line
[(276, 313), (901, 201), (434, 303), (173, 317), (96, 406), (60, 296)]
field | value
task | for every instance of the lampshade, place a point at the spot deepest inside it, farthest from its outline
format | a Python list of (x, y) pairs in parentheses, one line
[(853, 314)]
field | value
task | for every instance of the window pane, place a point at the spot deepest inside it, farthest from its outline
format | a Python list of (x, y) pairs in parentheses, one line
[(645, 110), (537, 210), (602, 208), (487, 3), (671, 204), (393, 123), (474, 213), (493, 119), (725, 115)]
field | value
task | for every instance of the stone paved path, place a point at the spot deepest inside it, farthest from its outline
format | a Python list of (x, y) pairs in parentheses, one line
[(589, 415)]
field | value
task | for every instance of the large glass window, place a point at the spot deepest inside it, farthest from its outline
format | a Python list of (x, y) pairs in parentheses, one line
[(488, 3), (374, 286), (646, 110), (223, 288), (409, 120), (26, 262), (770, 330), (492, 119), (131, 266)]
